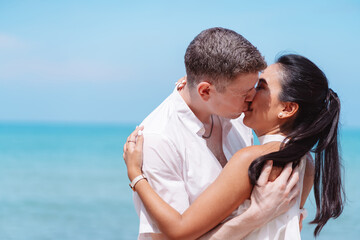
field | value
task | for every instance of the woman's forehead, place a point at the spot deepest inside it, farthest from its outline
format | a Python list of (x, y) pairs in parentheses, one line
[(271, 74)]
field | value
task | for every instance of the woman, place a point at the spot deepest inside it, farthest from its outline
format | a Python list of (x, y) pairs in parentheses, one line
[(292, 111)]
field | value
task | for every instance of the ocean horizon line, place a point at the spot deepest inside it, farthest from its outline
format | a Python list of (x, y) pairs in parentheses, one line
[(103, 124)]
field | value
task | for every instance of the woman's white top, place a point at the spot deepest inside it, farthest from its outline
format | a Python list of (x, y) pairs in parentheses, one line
[(283, 227)]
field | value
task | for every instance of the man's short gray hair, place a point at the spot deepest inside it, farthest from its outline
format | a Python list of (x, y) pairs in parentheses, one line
[(220, 55)]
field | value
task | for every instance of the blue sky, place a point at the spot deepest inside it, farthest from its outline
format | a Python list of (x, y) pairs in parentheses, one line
[(115, 61)]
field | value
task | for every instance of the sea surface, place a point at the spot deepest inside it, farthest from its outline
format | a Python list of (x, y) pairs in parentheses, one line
[(68, 182)]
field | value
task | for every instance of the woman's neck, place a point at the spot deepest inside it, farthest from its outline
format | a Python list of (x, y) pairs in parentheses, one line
[(275, 131)]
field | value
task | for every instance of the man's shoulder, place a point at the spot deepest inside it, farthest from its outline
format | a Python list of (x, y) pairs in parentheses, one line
[(163, 119)]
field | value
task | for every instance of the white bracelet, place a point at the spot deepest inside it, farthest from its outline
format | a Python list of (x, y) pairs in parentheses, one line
[(136, 180)]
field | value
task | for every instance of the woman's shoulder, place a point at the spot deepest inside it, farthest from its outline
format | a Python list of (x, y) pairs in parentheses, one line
[(252, 152)]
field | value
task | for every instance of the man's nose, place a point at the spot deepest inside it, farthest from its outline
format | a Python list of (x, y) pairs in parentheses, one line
[(250, 95)]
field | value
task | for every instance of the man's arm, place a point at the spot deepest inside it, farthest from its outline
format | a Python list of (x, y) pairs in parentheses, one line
[(268, 200)]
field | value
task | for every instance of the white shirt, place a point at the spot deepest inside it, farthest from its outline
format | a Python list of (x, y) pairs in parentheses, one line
[(285, 226), (177, 162)]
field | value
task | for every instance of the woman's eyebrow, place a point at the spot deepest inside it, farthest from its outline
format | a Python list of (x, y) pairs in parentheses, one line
[(262, 80)]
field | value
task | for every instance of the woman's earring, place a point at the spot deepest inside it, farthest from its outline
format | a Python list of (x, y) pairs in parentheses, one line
[(280, 115)]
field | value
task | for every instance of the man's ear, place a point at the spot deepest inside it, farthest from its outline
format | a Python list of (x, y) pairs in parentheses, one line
[(289, 110), (204, 89)]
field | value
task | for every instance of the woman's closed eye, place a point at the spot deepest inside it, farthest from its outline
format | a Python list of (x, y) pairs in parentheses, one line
[(259, 87), (262, 84)]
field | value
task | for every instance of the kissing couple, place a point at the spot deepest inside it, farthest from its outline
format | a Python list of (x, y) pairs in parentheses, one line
[(192, 164)]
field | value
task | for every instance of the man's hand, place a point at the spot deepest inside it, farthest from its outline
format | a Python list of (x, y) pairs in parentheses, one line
[(271, 199)]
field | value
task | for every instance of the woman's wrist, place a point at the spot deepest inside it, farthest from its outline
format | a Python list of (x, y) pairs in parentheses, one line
[(133, 173)]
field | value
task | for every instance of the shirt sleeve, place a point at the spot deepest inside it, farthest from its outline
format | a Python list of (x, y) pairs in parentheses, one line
[(163, 168)]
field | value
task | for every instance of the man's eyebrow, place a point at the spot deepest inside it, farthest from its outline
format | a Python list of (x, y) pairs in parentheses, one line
[(248, 90)]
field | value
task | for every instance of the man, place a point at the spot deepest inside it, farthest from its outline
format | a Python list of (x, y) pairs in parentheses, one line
[(190, 137)]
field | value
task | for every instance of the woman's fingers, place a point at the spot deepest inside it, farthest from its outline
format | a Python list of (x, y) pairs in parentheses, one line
[(132, 137), (131, 141), (133, 152), (181, 83), (180, 80), (139, 141), (124, 150)]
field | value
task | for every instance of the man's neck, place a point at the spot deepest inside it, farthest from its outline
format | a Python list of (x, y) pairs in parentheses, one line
[(195, 103)]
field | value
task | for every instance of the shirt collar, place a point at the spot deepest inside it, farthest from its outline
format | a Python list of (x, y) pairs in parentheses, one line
[(226, 125), (186, 115)]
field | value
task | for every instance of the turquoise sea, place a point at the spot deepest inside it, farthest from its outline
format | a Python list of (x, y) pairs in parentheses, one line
[(68, 182)]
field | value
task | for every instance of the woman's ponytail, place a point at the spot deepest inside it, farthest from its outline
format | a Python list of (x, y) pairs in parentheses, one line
[(328, 190)]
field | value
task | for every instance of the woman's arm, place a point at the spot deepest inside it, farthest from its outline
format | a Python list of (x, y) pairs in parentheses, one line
[(231, 188), (253, 218), (240, 226), (217, 202)]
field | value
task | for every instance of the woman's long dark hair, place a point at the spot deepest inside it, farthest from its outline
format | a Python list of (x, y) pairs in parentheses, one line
[(315, 128)]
